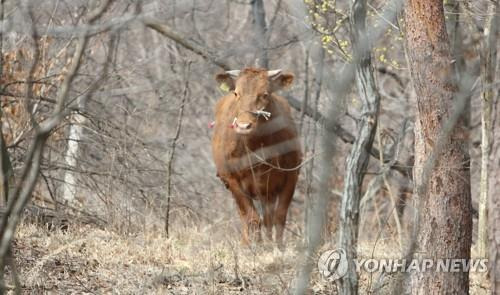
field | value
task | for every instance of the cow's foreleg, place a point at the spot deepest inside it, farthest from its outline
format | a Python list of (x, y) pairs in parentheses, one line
[(250, 220), (268, 217), (249, 217), (284, 200)]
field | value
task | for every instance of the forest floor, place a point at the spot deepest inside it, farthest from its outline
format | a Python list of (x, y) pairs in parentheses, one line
[(89, 260)]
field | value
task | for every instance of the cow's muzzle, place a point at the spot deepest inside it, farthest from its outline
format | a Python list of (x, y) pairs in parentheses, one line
[(246, 126), (243, 127)]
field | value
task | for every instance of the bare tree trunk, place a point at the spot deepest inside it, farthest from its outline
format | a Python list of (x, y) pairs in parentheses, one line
[(491, 109), (75, 134), (488, 65), (5, 165), (260, 28), (445, 206), (359, 156), (311, 148), (494, 206)]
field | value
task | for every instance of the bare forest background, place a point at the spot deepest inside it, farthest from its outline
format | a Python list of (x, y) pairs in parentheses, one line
[(105, 118)]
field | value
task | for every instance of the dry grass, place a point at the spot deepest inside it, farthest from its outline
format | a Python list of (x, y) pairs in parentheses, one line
[(88, 260)]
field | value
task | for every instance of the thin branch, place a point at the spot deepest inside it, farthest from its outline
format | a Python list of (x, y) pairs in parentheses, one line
[(174, 145)]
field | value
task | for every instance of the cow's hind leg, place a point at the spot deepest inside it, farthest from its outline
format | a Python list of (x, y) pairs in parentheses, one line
[(284, 200)]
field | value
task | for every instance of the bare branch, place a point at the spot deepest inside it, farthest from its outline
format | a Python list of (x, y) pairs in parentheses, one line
[(171, 153), (174, 36)]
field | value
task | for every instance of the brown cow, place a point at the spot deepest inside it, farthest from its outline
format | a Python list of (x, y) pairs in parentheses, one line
[(255, 148)]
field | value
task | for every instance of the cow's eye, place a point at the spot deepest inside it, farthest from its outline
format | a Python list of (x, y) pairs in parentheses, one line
[(236, 95)]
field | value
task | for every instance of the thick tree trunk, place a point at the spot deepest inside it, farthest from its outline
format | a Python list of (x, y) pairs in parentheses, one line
[(359, 156), (482, 230), (488, 65), (492, 132), (445, 205), (494, 207)]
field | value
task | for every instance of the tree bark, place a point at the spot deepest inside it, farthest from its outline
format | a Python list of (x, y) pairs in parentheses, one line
[(6, 172), (488, 65), (359, 156), (70, 158), (491, 155), (494, 207), (445, 206), (310, 144)]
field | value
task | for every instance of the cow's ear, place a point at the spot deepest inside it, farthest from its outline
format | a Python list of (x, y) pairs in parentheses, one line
[(226, 81), (283, 81)]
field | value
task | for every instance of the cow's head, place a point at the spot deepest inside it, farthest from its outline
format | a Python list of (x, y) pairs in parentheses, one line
[(252, 89)]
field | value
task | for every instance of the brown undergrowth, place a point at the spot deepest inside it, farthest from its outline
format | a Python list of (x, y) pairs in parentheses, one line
[(88, 260)]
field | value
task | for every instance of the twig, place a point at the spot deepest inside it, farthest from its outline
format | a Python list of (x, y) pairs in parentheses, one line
[(264, 162), (174, 144), (382, 17)]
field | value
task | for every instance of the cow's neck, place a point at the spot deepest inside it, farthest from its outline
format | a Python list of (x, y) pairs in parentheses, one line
[(254, 142)]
